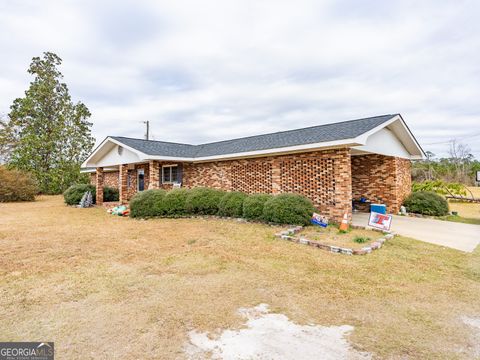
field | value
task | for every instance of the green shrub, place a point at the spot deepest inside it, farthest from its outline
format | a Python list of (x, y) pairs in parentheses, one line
[(74, 193), (288, 209), (203, 201), (427, 203), (16, 186), (110, 194), (361, 239), (148, 203), (231, 204), (253, 206), (174, 203)]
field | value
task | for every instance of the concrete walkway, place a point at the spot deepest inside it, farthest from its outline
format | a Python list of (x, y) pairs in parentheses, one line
[(464, 237)]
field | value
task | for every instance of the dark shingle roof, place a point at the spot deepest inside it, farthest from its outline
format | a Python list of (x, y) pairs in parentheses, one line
[(152, 147), (314, 134)]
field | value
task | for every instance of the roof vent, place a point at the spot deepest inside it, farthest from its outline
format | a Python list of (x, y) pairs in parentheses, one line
[(120, 150)]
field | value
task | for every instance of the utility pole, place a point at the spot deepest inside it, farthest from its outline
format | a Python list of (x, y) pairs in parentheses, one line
[(147, 133)]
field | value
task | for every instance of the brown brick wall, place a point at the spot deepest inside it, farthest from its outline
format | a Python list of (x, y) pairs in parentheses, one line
[(404, 180), (381, 179), (110, 179), (322, 176), (328, 178)]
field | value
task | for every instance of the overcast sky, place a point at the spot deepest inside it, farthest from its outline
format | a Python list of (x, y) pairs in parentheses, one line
[(212, 70)]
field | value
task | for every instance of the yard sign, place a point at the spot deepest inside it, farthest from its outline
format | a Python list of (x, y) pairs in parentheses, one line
[(380, 221), (320, 220), (478, 175)]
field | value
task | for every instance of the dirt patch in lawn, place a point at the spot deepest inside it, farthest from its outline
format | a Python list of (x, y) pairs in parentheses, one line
[(274, 336), (106, 287), (332, 236)]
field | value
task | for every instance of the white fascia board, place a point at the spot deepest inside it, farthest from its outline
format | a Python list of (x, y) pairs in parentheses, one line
[(140, 154), (105, 169), (266, 152), (363, 138)]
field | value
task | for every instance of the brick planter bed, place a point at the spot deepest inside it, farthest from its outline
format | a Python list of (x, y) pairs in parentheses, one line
[(290, 235)]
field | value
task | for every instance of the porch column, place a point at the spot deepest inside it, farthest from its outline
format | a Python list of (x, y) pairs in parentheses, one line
[(276, 177), (122, 186), (343, 184), (154, 177), (99, 186)]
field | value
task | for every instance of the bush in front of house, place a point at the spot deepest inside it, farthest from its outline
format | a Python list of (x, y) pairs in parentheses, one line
[(253, 206), (203, 201), (110, 194), (291, 209), (426, 203), (74, 193), (148, 203), (16, 185), (231, 204), (174, 202)]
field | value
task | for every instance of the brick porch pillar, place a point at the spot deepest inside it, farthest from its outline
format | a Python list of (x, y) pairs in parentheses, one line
[(343, 185), (122, 186), (99, 186), (276, 175), (154, 176)]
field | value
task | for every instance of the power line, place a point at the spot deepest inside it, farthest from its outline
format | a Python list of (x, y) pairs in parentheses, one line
[(456, 138)]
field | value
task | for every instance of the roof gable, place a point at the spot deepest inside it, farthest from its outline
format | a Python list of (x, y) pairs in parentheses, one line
[(352, 133)]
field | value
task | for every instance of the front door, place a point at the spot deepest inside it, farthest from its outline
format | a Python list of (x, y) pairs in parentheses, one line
[(140, 179)]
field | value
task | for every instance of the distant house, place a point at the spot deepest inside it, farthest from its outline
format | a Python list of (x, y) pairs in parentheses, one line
[(330, 164)]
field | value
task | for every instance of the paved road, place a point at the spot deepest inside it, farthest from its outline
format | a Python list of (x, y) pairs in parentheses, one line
[(458, 236)]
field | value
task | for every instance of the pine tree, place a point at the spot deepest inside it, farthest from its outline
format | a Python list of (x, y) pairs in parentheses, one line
[(47, 134)]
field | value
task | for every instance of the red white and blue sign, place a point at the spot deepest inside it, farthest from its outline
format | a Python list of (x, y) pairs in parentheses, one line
[(320, 220), (380, 221)]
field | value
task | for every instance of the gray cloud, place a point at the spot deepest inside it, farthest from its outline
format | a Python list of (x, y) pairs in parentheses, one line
[(211, 70)]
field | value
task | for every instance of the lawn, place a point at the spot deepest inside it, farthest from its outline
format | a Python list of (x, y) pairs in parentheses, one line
[(106, 287), (468, 212)]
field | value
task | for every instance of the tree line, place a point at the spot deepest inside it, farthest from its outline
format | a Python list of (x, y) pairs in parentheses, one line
[(460, 166)]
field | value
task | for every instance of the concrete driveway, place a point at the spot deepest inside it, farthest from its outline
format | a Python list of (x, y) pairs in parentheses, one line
[(464, 237)]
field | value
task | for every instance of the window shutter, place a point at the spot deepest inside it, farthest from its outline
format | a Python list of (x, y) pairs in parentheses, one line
[(180, 173)]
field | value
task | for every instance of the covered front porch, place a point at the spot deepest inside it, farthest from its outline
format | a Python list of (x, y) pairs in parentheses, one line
[(132, 178)]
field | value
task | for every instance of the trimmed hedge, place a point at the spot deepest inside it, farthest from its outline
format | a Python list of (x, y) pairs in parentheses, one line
[(74, 193), (253, 206), (280, 209), (16, 185), (231, 204), (203, 201), (148, 203), (288, 209), (174, 202), (426, 203)]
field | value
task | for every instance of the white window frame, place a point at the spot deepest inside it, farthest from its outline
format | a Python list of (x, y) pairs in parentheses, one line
[(170, 166), (140, 172)]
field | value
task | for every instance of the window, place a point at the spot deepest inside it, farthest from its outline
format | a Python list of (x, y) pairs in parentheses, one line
[(169, 174), (140, 179)]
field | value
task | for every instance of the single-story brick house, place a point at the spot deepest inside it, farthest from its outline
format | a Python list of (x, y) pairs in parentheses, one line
[(331, 164)]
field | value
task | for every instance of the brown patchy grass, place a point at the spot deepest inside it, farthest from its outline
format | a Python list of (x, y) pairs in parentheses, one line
[(469, 211), (106, 287), (332, 236)]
